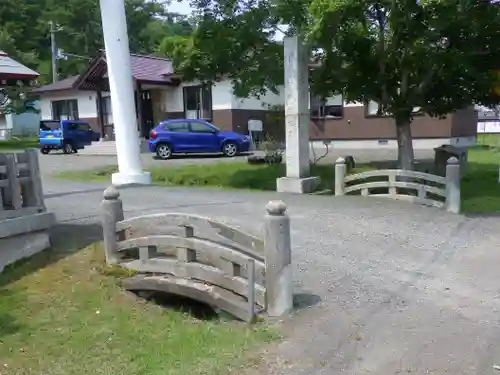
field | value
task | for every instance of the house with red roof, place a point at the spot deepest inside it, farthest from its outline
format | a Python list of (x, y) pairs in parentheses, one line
[(13, 73), (161, 95)]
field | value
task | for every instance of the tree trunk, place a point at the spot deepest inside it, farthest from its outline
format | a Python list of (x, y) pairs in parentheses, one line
[(405, 144)]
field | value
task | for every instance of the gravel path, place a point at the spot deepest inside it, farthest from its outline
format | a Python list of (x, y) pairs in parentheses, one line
[(383, 287)]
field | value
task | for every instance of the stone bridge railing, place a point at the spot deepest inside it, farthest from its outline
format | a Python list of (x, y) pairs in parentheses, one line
[(24, 220), (412, 186), (202, 258), (21, 190)]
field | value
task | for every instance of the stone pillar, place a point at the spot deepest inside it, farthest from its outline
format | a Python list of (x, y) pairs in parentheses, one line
[(277, 248), (111, 213), (452, 190), (340, 168), (297, 119), (114, 27)]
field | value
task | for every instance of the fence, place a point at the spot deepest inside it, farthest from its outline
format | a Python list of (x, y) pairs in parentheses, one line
[(203, 259), (411, 186), (21, 190)]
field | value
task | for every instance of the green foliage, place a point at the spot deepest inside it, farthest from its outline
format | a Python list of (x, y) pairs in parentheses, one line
[(438, 55), (24, 30), (232, 40)]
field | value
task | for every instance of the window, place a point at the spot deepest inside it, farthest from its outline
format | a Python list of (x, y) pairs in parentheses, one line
[(180, 126), (198, 127), (107, 111), (65, 109), (198, 102), (332, 107), (49, 125), (372, 110), (83, 127)]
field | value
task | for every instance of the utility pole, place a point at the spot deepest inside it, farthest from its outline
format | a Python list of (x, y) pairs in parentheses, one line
[(53, 48)]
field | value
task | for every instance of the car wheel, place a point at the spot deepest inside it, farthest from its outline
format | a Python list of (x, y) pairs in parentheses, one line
[(68, 148), (44, 151), (163, 151), (230, 149)]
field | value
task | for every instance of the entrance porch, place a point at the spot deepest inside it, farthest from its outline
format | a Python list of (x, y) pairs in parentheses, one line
[(151, 76)]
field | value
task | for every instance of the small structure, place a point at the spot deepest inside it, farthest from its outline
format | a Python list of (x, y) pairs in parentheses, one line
[(443, 153), (410, 186), (24, 220), (203, 259), (13, 73)]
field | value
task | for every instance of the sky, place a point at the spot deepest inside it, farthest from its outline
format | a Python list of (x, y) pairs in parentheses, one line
[(179, 7)]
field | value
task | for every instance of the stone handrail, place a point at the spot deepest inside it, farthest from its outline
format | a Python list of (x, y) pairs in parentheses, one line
[(426, 185), (202, 258), (21, 190)]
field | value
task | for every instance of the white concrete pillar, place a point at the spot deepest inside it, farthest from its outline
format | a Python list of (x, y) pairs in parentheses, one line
[(297, 119), (114, 27)]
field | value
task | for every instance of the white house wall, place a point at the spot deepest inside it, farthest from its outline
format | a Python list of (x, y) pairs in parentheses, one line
[(223, 98), (87, 107)]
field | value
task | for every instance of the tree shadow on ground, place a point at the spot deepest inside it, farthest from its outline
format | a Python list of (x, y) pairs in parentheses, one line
[(480, 189), (422, 165), (196, 309), (66, 239), (264, 177)]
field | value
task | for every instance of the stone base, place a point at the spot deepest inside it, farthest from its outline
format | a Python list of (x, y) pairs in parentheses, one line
[(297, 185), (137, 178), (22, 246)]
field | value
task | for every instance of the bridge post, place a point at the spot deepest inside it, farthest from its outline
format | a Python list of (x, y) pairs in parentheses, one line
[(340, 168), (111, 213), (277, 246), (452, 191)]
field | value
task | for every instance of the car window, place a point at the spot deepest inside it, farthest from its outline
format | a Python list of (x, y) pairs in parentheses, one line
[(72, 126), (180, 126), (84, 127), (50, 125), (198, 127)]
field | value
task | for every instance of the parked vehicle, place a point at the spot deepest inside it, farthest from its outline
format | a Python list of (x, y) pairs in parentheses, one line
[(195, 136), (67, 135)]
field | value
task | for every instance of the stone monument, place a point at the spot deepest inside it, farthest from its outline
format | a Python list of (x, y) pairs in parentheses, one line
[(298, 179)]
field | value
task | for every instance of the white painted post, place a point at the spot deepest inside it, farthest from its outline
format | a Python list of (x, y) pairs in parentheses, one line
[(277, 247), (340, 168), (452, 191), (297, 119), (114, 26)]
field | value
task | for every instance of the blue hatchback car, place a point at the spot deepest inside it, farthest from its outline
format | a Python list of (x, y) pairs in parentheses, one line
[(184, 136)]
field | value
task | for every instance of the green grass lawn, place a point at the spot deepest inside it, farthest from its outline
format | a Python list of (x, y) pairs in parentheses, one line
[(71, 317), (480, 187), (237, 175), (18, 144)]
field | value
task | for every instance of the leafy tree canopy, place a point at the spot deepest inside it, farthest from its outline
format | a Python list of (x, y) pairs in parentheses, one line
[(439, 55), (24, 30)]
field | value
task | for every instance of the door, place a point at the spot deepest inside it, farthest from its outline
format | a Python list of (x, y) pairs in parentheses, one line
[(79, 134), (72, 134), (177, 133), (146, 113), (204, 137), (86, 134)]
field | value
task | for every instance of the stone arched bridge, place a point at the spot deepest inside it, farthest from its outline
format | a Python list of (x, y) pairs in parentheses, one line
[(383, 287)]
